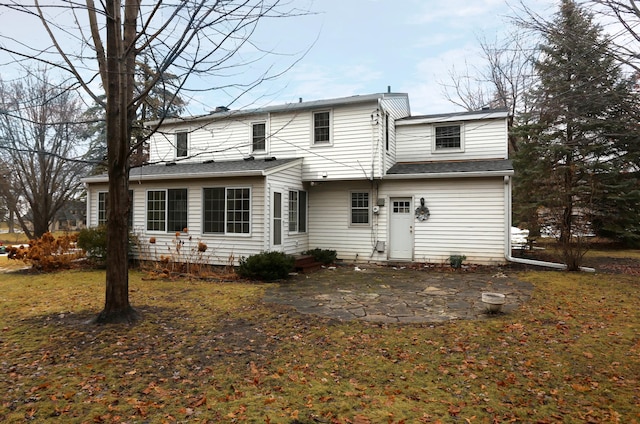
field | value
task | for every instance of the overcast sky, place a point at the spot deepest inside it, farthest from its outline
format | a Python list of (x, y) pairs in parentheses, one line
[(363, 46), (355, 47)]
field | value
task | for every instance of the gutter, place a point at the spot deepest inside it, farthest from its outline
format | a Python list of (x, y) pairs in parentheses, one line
[(434, 175), (195, 175), (507, 252)]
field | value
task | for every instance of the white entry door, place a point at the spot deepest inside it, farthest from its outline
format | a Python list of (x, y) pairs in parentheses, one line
[(401, 229)]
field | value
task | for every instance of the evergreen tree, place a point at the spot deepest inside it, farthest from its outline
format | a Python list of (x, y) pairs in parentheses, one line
[(571, 156)]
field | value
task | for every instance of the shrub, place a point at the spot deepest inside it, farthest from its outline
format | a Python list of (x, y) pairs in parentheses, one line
[(94, 242), (266, 266), (324, 256), (456, 260), (48, 253)]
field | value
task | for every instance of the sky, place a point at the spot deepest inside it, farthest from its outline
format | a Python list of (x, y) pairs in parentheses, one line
[(364, 46), (351, 47)]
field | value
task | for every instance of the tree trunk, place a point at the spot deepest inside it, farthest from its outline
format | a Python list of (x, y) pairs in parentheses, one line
[(119, 89)]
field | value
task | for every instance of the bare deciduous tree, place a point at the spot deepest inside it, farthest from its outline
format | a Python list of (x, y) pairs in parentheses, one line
[(39, 132), (502, 82), (186, 38)]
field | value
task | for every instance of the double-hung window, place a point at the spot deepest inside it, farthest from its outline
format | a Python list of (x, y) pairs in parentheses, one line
[(227, 210), (298, 211), (181, 143), (102, 207), (322, 127), (103, 204), (167, 210), (258, 137), (448, 137), (360, 206)]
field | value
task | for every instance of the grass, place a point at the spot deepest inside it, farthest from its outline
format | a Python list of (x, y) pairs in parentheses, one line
[(213, 352)]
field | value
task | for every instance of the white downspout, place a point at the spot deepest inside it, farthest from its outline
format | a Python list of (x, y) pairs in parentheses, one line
[(507, 252)]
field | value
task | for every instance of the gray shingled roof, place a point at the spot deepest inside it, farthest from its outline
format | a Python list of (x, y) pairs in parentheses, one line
[(202, 169), (287, 107), (461, 115), (500, 165)]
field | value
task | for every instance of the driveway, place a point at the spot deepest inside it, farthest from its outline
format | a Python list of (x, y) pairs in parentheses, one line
[(397, 295)]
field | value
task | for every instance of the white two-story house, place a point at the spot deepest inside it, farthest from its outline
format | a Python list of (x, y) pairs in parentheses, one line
[(358, 175)]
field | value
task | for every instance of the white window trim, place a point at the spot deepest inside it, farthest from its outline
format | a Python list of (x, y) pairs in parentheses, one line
[(166, 209), (312, 131), (106, 193), (297, 230), (350, 209), (174, 143), (146, 212), (460, 149), (225, 233), (266, 137)]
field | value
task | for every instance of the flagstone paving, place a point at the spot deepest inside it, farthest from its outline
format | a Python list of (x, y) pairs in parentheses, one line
[(396, 295)]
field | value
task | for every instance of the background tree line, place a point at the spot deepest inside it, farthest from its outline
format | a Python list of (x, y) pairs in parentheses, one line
[(572, 90)]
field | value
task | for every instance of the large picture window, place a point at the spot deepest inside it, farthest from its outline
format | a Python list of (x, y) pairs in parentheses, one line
[(167, 210), (360, 208), (227, 210)]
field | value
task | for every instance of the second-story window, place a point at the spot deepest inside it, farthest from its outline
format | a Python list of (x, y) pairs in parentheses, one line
[(448, 137), (181, 144), (322, 127), (258, 137)]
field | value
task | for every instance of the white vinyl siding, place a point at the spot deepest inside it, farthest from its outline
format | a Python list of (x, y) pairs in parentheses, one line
[(357, 150), (395, 107), (467, 216), (486, 139), (330, 221), (284, 182)]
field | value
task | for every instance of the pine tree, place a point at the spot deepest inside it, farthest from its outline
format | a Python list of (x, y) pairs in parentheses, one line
[(570, 155)]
